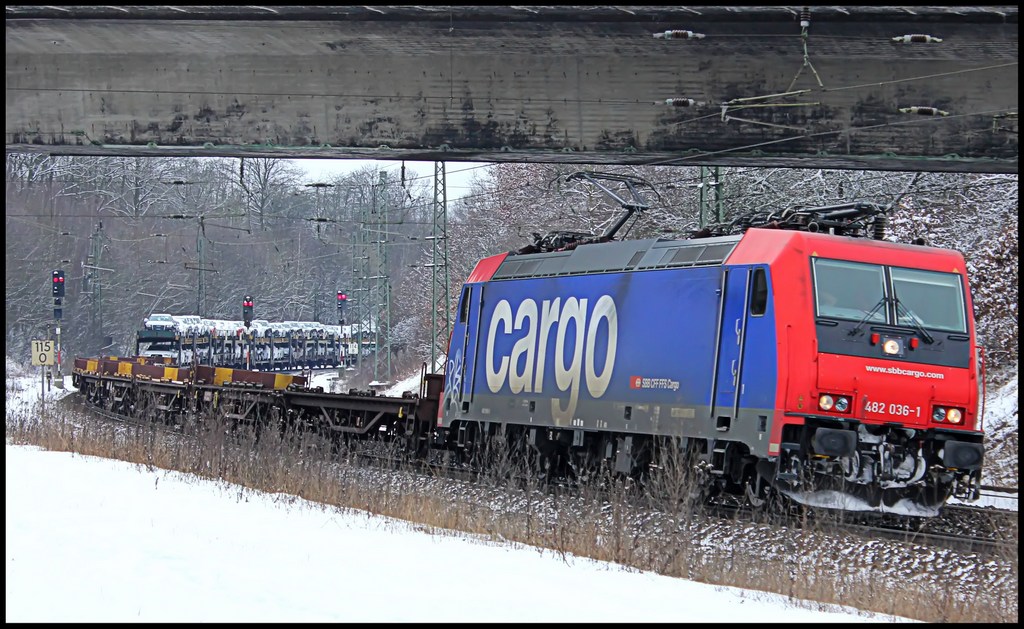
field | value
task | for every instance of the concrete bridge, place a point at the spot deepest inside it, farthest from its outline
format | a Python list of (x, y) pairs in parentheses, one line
[(898, 88)]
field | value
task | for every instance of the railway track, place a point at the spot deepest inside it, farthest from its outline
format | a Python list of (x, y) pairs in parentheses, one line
[(1004, 493), (973, 530), (936, 534)]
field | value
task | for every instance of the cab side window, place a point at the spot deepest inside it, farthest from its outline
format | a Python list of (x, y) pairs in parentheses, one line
[(464, 305), (759, 293)]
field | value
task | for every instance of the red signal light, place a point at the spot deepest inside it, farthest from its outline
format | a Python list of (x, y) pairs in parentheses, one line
[(57, 288)]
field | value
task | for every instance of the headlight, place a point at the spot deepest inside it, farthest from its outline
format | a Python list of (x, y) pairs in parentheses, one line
[(892, 347), (947, 415), (834, 403), (825, 402)]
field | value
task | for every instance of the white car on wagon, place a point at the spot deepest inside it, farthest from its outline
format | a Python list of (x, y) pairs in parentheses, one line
[(159, 321)]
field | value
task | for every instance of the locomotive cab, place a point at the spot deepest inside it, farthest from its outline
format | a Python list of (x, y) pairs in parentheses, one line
[(885, 416)]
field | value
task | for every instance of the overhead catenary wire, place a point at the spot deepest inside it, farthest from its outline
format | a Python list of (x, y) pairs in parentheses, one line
[(919, 191)]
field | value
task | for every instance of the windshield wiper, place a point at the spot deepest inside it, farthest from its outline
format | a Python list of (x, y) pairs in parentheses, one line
[(917, 325), (867, 315)]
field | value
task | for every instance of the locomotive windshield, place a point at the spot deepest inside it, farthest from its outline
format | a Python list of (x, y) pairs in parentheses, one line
[(936, 299), (849, 290), (892, 295)]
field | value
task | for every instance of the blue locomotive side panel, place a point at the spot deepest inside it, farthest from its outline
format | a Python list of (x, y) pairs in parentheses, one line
[(606, 350)]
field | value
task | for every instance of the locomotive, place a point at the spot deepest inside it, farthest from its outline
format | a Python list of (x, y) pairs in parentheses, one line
[(795, 353)]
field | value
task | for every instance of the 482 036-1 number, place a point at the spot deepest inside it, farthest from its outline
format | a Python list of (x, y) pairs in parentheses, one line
[(892, 408)]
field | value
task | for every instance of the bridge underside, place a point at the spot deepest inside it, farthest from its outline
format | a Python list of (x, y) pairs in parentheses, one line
[(555, 84)]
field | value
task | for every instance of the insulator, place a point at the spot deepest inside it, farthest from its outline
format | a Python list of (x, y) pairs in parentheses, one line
[(805, 17), (916, 39), (678, 34), (878, 227), (923, 111), (680, 102)]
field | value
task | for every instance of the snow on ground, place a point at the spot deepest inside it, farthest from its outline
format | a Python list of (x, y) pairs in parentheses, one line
[(412, 383), (1001, 407), (96, 540)]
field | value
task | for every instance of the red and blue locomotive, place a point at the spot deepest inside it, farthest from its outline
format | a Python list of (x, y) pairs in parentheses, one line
[(804, 355)]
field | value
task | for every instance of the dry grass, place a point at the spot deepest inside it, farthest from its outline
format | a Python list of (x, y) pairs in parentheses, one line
[(618, 525)]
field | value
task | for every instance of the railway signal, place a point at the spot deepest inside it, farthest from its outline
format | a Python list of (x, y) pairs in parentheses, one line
[(342, 302), (247, 311), (58, 283)]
